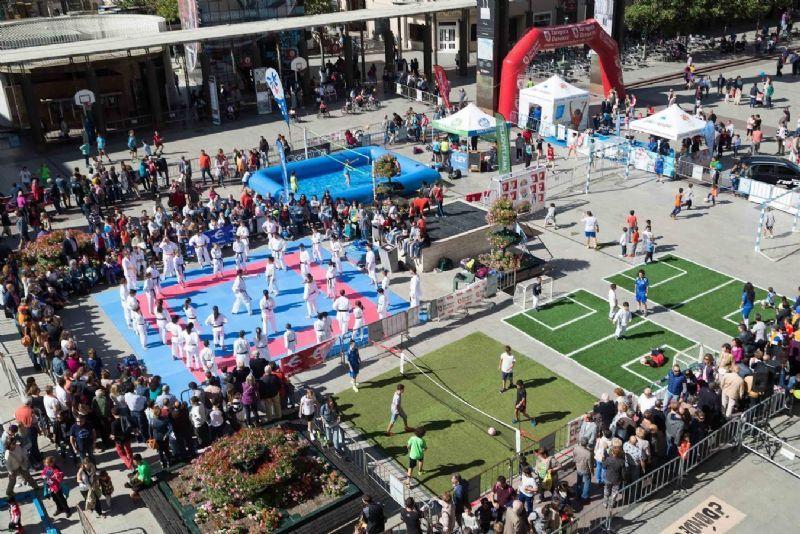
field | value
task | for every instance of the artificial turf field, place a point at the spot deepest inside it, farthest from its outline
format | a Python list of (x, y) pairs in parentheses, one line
[(700, 293), (457, 436), (577, 326)]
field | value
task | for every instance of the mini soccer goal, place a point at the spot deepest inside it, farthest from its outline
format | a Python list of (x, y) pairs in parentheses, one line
[(692, 357), (524, 292), (776, 234)]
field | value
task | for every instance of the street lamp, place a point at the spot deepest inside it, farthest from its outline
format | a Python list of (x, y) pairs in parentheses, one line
[(564, 54)]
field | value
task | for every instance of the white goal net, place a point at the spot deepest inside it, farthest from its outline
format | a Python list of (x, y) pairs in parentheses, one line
[(524, 294)]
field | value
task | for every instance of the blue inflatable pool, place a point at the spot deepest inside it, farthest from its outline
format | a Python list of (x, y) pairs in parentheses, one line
[(327, 173)]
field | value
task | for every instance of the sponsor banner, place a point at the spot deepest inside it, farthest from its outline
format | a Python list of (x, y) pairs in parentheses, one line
[(273, 81), (213, 96), (645, 160), (713, 515), (529, 185), (263, 102), (305, 359), (503, 145), (570, 35), (222, 236), (460, 300), (444, 84)]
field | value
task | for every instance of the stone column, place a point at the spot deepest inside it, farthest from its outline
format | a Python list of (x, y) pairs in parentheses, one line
[(463, 42), (427, 52), (98, 114), (32, 108), (153, 94)]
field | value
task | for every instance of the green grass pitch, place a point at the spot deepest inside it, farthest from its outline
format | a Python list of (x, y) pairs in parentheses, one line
[(456, 434), (577, 326), (703, 294)]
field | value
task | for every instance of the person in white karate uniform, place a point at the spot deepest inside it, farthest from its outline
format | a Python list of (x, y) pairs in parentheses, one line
[(244, 234), (123, 301), (289, 339), (129, 269), (261, 344), (137, 256), (336, 255), (239, 254), (358, 320), (370, 267), (199, 241), (342, 307), (240, 294), (330, 280), (310, 293), (217, 262), (383, 304), (320, 328), (207, 359), (132, 303), (278, 246), (621, 320), (267, 307), (414, 290), (175, 330), (316, 249), (191, 348), (217, 323), (241, 350), (150, 289), (385, 280), (191, 315), (180, 269), (140, 326), (305, 261), (270, 226), (168, 252), (161, 320), (271, 274)]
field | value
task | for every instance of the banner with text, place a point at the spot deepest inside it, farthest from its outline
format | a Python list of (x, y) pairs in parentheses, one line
[(444, 84), (503, 145), (525, 186), (273, 81), (460, 300), (306, 358)]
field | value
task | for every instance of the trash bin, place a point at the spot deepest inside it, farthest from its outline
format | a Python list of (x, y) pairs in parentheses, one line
[(491, 286)]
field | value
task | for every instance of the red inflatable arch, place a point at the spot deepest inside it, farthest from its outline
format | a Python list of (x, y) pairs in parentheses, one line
[(587, 32)]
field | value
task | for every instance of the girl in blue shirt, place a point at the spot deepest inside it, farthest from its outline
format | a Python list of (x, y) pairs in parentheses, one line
[(748, 301), (642, 286)]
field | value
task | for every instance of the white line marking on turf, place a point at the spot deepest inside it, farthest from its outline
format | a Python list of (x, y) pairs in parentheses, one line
[(734, 312), (601, 340), (681, 272), (704, 293), (531, 315)]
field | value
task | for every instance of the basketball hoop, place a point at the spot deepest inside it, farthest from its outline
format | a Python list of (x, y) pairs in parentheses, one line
[(84, 98)]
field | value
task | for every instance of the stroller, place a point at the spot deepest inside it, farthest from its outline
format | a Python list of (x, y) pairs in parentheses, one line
[(133, 365)]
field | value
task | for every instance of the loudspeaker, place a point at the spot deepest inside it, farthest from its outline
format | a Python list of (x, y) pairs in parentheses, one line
[(761, 382)]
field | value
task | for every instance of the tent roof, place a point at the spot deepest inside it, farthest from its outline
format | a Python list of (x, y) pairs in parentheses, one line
[(468, 122), (671, 123), (553, 88)]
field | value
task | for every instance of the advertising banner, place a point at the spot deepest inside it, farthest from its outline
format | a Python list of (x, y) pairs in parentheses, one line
[(460, 300), (528, 185), (282, 154), (444, 84), (263, 102), (503, 145), (273, 81), (213, 96), (306, 358)]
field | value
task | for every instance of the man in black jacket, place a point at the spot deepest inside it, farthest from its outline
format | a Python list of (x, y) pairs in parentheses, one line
[(270, 391)]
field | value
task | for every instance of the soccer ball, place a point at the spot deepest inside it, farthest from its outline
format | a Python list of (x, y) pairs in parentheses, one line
[(491, 431)]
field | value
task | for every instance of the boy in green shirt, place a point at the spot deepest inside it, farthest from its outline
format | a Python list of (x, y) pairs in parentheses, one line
[(416, 453), (141, 476)]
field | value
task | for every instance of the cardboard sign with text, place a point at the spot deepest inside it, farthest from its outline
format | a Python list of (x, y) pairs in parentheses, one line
[(713, 515)]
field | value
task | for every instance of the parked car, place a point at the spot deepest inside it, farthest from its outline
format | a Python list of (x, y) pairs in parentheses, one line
[(773, 170)]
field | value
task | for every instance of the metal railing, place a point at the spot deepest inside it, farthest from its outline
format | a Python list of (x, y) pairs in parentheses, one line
[(16, 385), (730, 435), (86, 525)]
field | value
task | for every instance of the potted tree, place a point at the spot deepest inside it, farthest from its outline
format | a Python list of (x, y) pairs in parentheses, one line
[(501, 215), (386, 167)]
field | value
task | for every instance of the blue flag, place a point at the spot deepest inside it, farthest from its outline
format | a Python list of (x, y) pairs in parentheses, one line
[(282, 155)]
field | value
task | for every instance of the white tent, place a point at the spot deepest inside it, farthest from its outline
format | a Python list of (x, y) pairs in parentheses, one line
[(468, 122), (671, 123), (561, 103)]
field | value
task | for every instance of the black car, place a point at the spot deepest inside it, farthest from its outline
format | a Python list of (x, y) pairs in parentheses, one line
[(773, 170)]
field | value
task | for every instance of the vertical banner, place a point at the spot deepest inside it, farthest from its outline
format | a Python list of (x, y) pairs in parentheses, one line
[(275, 85), (503, 145), (444, 84), (213, 100), (263, 103), (282, 155)]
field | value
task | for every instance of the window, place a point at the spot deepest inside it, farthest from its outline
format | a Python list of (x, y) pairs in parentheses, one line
[(447, 36), (542, 19)]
